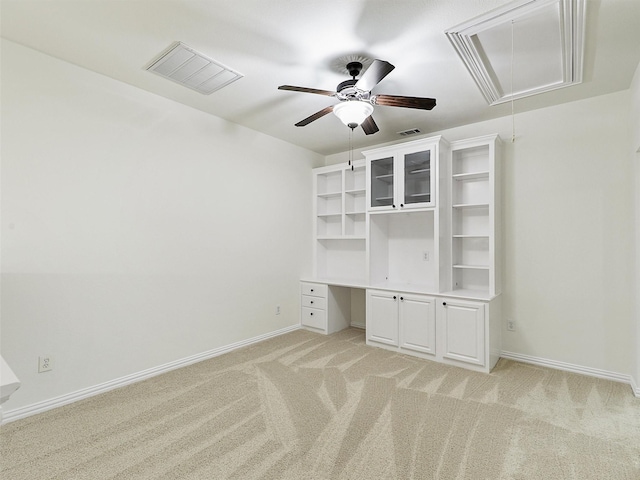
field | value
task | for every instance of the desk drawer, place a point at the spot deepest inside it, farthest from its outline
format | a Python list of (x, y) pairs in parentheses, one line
[(314, 289), (314, 317), (314, 302)]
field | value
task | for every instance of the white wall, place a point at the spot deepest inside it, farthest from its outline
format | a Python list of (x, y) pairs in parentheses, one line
[(634, 125), (137, 231), (568, 231)]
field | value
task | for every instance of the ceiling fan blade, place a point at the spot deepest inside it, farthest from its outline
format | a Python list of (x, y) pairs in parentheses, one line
[(315, 116), (307, 90), (374, 74), (407, 102), (369, 126)]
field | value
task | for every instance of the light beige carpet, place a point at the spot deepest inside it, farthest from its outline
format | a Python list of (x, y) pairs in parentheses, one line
[(306, 406)]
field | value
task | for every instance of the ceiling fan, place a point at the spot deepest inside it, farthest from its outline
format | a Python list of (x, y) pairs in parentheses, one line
[(356, 101)]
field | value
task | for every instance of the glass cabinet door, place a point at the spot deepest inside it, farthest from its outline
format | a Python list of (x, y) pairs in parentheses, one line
[(417, 177), (382, 182)]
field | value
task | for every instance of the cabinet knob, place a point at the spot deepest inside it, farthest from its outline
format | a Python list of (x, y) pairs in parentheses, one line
[(311, 314), (312, 289), (393, 206), (401, 205), (311, 301), (394, 297), (444, 304), (401, 298)]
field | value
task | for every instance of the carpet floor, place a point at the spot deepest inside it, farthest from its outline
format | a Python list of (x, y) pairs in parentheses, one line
[(305, 406)]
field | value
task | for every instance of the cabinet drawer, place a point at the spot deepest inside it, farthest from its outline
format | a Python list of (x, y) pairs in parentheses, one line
[(314, 289), (314, 302), (313, 317)]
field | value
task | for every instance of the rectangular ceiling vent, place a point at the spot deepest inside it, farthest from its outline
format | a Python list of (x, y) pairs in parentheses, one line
[(411, 131), (523, 48), (184, 65)]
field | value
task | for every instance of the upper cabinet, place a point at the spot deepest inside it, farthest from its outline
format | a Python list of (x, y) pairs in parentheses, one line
[(405, 176)]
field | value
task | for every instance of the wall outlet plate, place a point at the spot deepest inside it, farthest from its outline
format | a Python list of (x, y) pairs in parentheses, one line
[(45, 363)]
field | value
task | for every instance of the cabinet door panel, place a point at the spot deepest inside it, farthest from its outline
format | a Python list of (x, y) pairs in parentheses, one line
[(417, 323), (464, 331), (417, 179), (382, 317), (382, 182)]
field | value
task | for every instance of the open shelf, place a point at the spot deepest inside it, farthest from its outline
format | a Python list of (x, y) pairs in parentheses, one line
[(473, 226), (471, 176), (470, 236), (355, 179), (470, 159), (398, 244), (340, 233), (341, 257), (330, 194), (472, 279), (471, 205)]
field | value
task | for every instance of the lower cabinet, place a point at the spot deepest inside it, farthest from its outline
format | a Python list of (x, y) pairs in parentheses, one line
[(462, 331), (401, 320), (451, 330), (455, 331), (323, 308)]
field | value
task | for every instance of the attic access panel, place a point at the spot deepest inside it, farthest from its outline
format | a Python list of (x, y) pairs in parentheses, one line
[(524, 48)]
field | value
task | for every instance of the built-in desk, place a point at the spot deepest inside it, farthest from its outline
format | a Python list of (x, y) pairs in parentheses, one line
[(459, 328)]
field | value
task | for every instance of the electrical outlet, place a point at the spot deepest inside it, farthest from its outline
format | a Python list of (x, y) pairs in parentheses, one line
[(277, 309), (511, 325), (425, 256), (45, 363)]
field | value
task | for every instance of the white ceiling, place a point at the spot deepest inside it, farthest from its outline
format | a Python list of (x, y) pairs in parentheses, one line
[(296, 42)]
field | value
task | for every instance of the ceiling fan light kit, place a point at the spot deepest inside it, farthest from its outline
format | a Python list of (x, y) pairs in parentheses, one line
[(353, 113), (356, 101)]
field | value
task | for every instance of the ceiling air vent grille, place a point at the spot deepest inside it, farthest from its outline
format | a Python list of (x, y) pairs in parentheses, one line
[(406, 133), (184, 65)]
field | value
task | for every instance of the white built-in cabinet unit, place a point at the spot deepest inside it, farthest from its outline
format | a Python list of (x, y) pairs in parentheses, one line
[(416, 226)]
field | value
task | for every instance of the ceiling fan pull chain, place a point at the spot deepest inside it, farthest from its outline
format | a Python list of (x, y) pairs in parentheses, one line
[(351, 148)]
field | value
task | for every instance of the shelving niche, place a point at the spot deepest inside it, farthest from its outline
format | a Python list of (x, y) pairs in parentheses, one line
[(475, 217), (402, 251), (340, 229)]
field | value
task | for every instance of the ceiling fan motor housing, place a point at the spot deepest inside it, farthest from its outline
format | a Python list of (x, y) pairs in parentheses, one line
[(346, 84), (354, 68)]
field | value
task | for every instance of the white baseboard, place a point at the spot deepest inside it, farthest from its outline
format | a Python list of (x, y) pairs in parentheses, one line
[(23, 412), (569, 367), (635, 387)]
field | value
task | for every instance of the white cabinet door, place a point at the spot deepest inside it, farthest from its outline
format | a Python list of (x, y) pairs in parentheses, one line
[(382, 181), (382, 317), (463, 325), (417, 188), (418, 323)]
